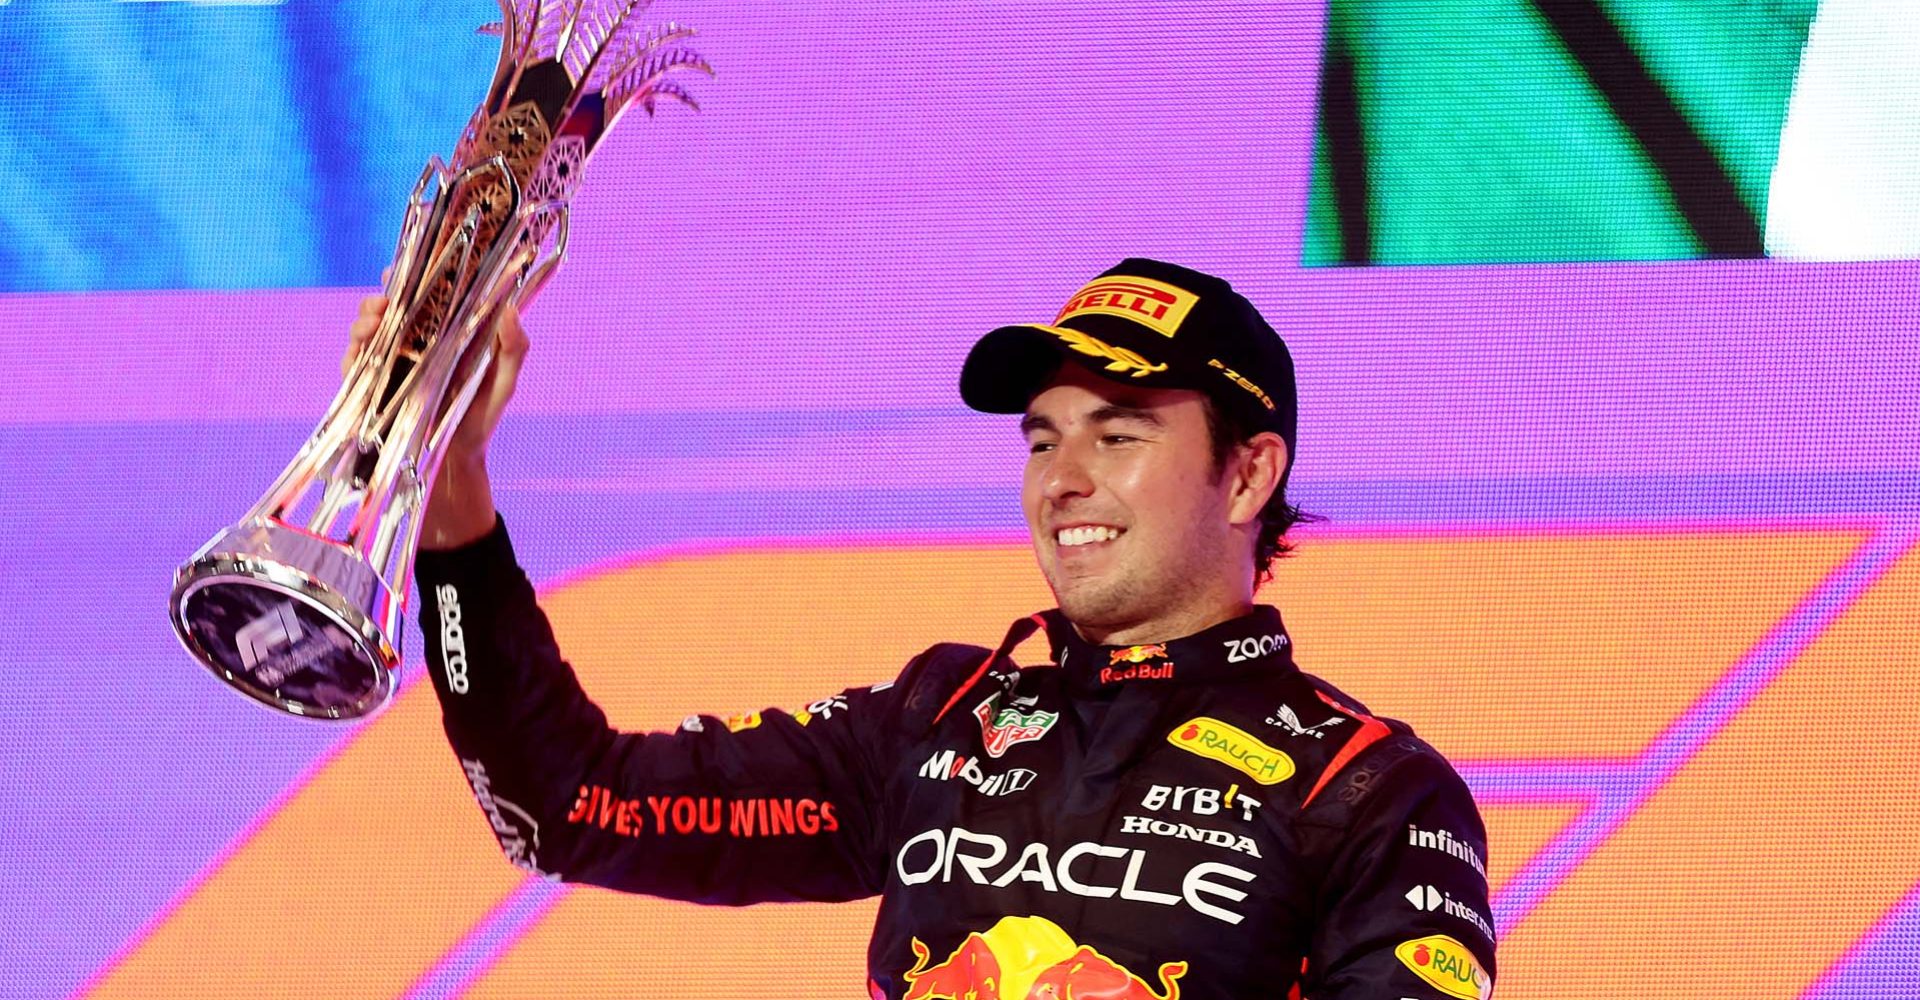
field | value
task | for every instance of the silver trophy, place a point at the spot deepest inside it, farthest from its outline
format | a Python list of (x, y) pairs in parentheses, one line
[(287, 605)]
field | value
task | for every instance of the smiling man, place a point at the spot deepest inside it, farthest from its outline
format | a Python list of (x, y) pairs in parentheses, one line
[(1166, 806)]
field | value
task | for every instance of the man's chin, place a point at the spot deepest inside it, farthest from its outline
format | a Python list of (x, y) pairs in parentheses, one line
[(1089, 605)]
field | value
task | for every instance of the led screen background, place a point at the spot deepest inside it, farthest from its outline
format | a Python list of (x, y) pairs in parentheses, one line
[(1633, 541)]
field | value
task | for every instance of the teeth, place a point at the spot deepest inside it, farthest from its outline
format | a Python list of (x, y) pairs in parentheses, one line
[(1086, 535)]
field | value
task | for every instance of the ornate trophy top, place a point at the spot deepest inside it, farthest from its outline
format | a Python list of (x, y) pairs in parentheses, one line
[(579, 65)]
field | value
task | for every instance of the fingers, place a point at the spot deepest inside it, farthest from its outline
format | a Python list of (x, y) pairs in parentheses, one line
[(510, 344), (361, 330), (496, 385), (509, 334)]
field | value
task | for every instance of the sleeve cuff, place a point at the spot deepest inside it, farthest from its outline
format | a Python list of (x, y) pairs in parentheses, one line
[(490, 551)]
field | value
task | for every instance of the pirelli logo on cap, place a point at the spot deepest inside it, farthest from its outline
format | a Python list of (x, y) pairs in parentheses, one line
[(1155, 305)]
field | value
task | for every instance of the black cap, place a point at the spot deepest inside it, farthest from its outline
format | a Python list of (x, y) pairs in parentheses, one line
[(1149, 323)]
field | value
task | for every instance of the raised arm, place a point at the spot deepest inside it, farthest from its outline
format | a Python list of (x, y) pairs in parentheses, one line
[(769, 806), (736, 811)]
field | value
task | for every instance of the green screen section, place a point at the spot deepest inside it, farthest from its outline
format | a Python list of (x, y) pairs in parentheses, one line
[(1485, 140)]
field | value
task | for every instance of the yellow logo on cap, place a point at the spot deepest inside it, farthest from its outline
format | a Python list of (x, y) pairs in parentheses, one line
[(1119, 359), (1447, 965), (1156, 305), (1243, 382), (1234, 747)]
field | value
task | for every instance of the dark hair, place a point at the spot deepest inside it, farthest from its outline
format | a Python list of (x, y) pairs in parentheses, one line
[(1225, 432)]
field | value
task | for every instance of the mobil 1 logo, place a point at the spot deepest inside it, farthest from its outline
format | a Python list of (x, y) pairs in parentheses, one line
[(950, 765)]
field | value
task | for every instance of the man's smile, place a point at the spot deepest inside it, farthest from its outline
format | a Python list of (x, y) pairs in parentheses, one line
[(1080, 535)]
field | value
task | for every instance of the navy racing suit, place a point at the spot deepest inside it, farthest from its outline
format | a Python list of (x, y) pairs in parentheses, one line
[(1191, 818)]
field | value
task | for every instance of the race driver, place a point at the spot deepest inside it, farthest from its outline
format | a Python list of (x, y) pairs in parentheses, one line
[(1165, 805)]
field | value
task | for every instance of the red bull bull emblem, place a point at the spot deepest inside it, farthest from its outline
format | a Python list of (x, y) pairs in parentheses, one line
[(1137, 654), (1031, 958)]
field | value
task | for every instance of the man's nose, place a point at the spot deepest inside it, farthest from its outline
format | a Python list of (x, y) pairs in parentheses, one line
[(1067, 476)]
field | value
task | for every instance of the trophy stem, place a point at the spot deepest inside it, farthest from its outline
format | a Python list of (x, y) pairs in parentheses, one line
[(339, 492), (324, 448), (460, 349)]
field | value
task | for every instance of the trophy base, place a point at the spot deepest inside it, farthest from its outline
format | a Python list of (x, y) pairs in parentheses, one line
[(277, 613)]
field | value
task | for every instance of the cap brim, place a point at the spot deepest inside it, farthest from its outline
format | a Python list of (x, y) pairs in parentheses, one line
[(1010, 365)]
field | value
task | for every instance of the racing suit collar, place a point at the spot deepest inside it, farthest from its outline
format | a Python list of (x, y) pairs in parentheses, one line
[(1253, 642)]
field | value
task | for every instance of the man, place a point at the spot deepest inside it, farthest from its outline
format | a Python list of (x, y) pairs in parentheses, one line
[(1166, 806)]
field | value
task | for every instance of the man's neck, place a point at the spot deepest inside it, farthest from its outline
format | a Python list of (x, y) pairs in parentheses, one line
[(1162, 628)]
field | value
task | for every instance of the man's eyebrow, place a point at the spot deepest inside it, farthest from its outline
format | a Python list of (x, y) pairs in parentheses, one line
[(1105, 414), (1116, 411), (1034, 422)]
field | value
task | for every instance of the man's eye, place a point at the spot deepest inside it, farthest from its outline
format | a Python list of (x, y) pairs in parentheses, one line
[(1118, 438), (1039, 447)]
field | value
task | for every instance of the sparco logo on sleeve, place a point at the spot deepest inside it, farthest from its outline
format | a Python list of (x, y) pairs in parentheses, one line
[(453, 639)]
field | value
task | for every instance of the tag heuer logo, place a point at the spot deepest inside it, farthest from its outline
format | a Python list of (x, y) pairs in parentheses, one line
[(1003, 729)]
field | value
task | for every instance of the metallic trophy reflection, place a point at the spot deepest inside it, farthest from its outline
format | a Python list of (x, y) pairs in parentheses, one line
[(299, 604)]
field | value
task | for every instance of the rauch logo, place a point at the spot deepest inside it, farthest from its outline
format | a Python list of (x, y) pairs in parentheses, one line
[(1447, 966), (1230, 745)]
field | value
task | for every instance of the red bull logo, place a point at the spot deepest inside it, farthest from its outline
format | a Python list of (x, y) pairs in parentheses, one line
[(1031, 958), (1137, 672), (1144, 662)]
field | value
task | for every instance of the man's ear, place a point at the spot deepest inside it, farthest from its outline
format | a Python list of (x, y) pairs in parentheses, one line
[(1254, 471)]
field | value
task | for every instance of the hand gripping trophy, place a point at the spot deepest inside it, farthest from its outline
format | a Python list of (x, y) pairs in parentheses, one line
[(285, 605)]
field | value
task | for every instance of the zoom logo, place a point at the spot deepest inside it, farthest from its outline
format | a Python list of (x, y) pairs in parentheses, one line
[(453, 639), (1253, 647)]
